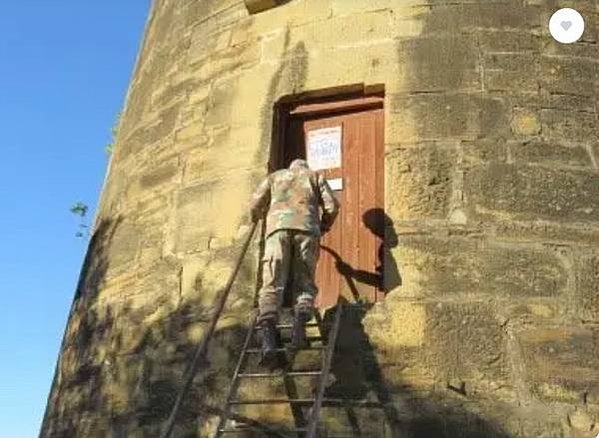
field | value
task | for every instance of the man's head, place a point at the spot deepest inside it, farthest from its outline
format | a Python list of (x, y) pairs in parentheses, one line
[(299, 163)]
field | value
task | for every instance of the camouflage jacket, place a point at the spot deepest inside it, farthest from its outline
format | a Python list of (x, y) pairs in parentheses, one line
[(293, 198)]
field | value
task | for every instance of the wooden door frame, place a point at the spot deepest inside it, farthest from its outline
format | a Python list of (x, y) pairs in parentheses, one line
[(318, 103)]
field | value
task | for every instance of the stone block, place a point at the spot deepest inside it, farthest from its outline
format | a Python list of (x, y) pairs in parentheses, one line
[(159, 175), (525, 122), (407, 21), (175, 90), (202, 278), (456, 56), (210, 210), (485, 150), (396, 324), (547, 231), (370, 64), (561, 362), (521, 192), (587, 286), (118, 250), (346, 31), (227, 62), (195, 210), (509, 41), (212, 14), (422, 180), (511, 72), (292, 14), (450, 267), (465, 341), (151, 131), (581, 421), (550, 154), (580, 49), (568, 76), (544, 309), (443, 116), (470, 16), (571, 102), (205, 43), (219, 108), (570, 126)]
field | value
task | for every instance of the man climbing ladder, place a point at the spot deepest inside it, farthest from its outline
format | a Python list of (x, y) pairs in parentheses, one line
[(292, 200)]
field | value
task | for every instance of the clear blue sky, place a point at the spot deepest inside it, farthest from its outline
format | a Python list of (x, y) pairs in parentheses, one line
[(64, 71)]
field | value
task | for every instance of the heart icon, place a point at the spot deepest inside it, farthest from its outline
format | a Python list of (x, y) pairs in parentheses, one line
[(566, 25)]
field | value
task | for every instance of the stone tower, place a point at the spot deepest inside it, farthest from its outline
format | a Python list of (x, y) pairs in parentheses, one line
[(490, 324)]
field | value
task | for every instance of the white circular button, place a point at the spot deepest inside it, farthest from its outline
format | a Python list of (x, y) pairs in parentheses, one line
[(566, 26)]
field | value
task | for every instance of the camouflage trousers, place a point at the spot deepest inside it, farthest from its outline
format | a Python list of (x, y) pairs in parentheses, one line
[(290, 258)]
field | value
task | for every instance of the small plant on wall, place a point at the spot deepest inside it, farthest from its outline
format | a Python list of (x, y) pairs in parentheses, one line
[(80, 209)]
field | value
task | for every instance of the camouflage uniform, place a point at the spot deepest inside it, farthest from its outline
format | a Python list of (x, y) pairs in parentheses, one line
[(293, 198)]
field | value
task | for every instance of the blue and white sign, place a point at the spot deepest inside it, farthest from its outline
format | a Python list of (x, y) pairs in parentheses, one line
[(323, 149)]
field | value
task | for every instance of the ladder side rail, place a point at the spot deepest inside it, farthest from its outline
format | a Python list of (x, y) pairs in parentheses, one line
[(296, 411), (235, 381), (332, 340), (202, 348)]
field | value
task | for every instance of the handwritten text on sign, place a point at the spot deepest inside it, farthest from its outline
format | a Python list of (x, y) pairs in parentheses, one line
[(324, 148)]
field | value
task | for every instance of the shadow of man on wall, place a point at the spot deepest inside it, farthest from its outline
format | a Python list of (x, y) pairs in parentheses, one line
[(386, 275), (369, 405)]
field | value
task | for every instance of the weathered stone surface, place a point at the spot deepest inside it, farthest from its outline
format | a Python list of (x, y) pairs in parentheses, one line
[(521, 192), (465, 341), (548, 351), (569, 126), (551, 154), (569, 76), (468, 267), (587, 286), (581, 421), (525, 122), (422, 177), (441, 116), (492, 151), (456, 56), (509, 71)]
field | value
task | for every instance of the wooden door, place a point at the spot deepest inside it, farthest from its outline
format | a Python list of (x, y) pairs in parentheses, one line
[(357, 235)]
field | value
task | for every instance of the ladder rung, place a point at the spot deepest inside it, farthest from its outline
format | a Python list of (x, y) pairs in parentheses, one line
[(309, 338), (274, 401), (332, 402), (290, 326), (284, 350), (288, 374), (309, 401), (258, 429)]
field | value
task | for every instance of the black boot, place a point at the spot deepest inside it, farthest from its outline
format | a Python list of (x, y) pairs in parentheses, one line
[(299, 339), (269, 344)]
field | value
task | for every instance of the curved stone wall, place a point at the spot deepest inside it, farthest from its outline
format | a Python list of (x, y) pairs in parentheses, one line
[(492, 185)]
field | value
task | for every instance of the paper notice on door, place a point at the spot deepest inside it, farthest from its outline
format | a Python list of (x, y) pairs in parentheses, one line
[(323, 149), (335, 183)]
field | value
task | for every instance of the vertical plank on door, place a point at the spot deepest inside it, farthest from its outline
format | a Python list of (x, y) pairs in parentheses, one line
[(367, 188), (379, 153)]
